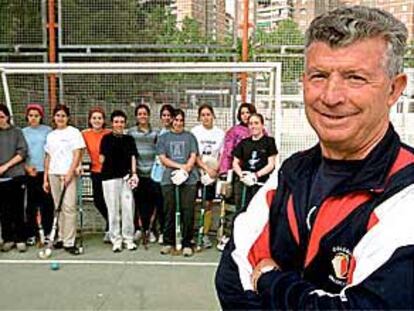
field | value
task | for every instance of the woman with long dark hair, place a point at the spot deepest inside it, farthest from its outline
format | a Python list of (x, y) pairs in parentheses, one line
[(63, 156)]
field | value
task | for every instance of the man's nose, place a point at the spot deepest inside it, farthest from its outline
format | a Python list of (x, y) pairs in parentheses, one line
[(334, 91)]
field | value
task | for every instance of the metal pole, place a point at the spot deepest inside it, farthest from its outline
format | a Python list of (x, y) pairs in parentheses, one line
[(52, 53), (7, 95), (245, 48)]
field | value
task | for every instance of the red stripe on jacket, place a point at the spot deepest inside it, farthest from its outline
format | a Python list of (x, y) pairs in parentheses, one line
[(332, 212), (261, 248), (293, 224)]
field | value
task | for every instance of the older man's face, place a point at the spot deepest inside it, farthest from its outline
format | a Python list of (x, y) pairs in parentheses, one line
[(348, 95)]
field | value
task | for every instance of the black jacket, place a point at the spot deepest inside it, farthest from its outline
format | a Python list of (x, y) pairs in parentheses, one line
[(358, 252)]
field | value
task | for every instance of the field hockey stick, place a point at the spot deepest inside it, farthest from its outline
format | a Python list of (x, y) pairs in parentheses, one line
[(80, 206), (40, 231), (46, 252), (178, 245), (145, 234), (201, 221), (244, 193), (222, 219), (243, 199)]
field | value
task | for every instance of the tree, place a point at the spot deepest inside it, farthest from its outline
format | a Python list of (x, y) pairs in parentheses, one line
[(286, 34)]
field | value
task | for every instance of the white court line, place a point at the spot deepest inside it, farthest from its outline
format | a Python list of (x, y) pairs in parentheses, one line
[(112, 262)]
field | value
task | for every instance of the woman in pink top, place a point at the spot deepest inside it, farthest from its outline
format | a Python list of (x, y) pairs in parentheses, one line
[(234, 135), (93, 136)]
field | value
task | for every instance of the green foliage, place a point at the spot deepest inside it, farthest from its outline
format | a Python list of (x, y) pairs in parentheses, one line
[(20, 23), (287, 33)]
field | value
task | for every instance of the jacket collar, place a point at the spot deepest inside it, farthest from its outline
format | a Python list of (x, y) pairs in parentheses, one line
[(372, 175)]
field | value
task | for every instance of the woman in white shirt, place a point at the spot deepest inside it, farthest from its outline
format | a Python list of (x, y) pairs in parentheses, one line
[(63, 156), (210, 140)]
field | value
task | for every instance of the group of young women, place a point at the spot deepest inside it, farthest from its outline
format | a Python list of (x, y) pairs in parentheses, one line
[(137, 174)]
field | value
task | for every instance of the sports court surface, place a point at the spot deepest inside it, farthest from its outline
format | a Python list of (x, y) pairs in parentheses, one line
[(102, 280)]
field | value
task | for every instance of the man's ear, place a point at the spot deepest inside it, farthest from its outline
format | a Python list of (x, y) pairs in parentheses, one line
[(398, 84)]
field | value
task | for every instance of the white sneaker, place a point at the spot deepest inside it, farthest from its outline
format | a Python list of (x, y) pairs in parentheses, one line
[(222, 243), (21, 247), (131, 246), (137, 235), (107, 238), (206, 242), (187, 252), (160, 239), (152, 237), (31, 241), (117, 247), (166, 249)]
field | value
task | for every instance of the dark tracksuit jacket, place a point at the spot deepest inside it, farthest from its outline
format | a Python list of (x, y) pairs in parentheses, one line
[(357, 253)]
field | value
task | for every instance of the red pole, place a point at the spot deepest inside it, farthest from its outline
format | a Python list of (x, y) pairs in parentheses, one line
[(52, 53), (245, 48)]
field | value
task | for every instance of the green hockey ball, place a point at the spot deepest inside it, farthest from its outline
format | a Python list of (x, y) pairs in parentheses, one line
[(54, 265)]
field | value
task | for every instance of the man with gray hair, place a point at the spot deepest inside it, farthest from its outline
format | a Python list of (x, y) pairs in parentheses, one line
[(333, 230)]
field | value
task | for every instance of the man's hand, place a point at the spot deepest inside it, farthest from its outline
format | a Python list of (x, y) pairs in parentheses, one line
[(248, 178), (179, 176), (265, 265)]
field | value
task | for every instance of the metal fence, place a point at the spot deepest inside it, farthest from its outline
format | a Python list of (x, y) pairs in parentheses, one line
[(23, 24)]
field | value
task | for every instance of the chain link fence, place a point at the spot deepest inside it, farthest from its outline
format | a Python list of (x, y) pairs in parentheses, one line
[(132, 23), (23, 23)]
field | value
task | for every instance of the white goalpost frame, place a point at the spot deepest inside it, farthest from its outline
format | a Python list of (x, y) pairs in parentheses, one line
[(273, 68)]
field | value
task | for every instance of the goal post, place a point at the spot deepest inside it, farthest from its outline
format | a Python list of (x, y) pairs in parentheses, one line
[(185, 85)]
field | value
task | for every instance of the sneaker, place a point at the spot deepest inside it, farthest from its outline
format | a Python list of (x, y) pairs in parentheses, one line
[(21, 247), (7, 246), (117, 248), (31, 241), (152, 237), (166, 249), (73, 250), (131, 246), (137, 235), (206, 242), (107, 238), (222, 243), (160, 239), (187, 252)]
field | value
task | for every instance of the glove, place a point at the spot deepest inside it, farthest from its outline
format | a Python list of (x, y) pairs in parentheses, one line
[(210, 161), (133, 181), (179, 176), (248, 178), (206, 179)]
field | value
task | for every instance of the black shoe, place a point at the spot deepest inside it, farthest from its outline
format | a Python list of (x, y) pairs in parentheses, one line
[(58, 245), (73, 250)]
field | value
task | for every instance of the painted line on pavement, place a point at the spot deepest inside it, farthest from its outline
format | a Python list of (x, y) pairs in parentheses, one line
[(111, 262)]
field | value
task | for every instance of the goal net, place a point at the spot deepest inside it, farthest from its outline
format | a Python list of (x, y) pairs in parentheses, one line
[(183, 85)]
